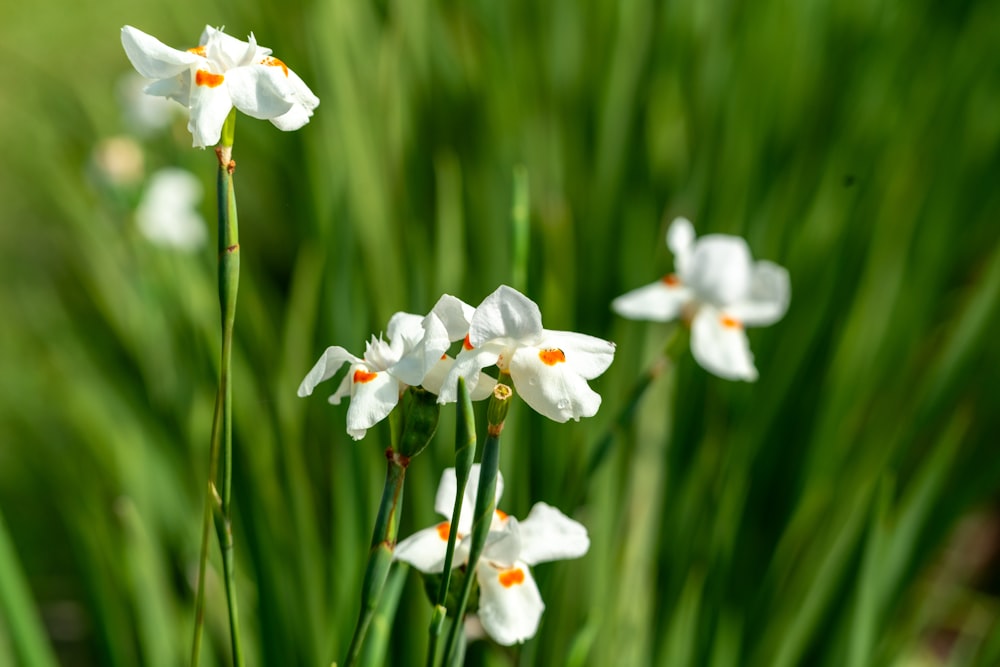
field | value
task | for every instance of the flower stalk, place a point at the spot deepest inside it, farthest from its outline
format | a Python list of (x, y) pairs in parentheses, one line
[(218, 499), (465, 454), (485, 503), (415, 425)]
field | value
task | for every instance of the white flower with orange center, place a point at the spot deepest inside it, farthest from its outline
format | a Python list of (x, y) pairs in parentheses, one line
[(374, 382), (549, 369), (719, 290), (220, 73), (510, 606)]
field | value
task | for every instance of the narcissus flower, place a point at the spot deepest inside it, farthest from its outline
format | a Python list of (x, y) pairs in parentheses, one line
[(510, 606), (220, 73), (549, 369), (375, 381), (718, 289)]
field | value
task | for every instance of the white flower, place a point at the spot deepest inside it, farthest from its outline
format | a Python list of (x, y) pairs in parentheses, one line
[(510, 606), (168, 213), (455, 314), (376, 381), (719, 290), (220, 73), (549, 369)]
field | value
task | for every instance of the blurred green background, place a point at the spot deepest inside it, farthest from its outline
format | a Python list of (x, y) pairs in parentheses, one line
[(840, 511)]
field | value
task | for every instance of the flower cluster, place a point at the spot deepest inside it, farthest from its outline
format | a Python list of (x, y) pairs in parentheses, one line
[(549, 369), (718, 289), (510, 606), (220, 73)]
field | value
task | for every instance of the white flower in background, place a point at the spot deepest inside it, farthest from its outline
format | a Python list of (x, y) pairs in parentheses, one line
[(375, 381), (168, 213), (119, 161), (510, 606), (144, 114), (220, 73), (719, 290), (549, 369)]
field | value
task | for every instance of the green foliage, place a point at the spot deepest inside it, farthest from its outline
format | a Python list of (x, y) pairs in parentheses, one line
[(799, 520)]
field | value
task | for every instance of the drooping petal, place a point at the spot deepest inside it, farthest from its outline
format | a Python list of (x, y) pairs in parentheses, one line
[(455, 314), (259, 91), (152, 58), (719, 344), (680, 240), (293, 119), (587, 355), (719, 270), (425, 549), (304, 100), (548, 534), (767, 302), (468, 364), (210, 104), (417, 345), (333, 358), (343, 390), (506, 313), (373, 396), (510, 606), (177, 88), (661, 301), (548, 382)]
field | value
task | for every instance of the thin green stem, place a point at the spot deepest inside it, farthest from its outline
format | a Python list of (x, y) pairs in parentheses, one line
[(382, 546), (465, 453), (219, 496), (489, 467)]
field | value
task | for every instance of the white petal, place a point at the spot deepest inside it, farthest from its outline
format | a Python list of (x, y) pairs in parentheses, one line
[(444, 501), (209, 108), (373, 396), (719, 270), (425, 549), (770, 292), (293, 119), (587, 355), (680, 240), (168, 213), (503, 543), (177, 88), (656, 302), (333, 358), (468, 364), (548, 534), (152, 58), (553, 388), (506, 313), (343, 390), (259, 91), (229, 52), (455, 314), (720, 345), (510, 606)]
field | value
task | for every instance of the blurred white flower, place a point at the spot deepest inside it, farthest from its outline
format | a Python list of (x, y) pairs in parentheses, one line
[(220, 73), (168, 213), (549, 369), (510, 606), (144, 114), (719, 290), (119, 161)]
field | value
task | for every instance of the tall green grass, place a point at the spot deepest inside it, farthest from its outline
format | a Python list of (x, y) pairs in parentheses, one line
[(799, 520)]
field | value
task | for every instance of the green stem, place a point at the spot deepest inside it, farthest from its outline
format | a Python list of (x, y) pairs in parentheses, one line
[(382, 546), (219, 495), (485, 504), (465, 453)]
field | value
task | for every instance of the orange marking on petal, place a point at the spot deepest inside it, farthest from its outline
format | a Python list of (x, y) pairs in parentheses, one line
[(730, 323), (501, 515), (362, 376), (274, 62), (443, 529), (198, 50), (203, 78), (671, 280), (552, 356), (511, 577), (466, 344), (444, 356)]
